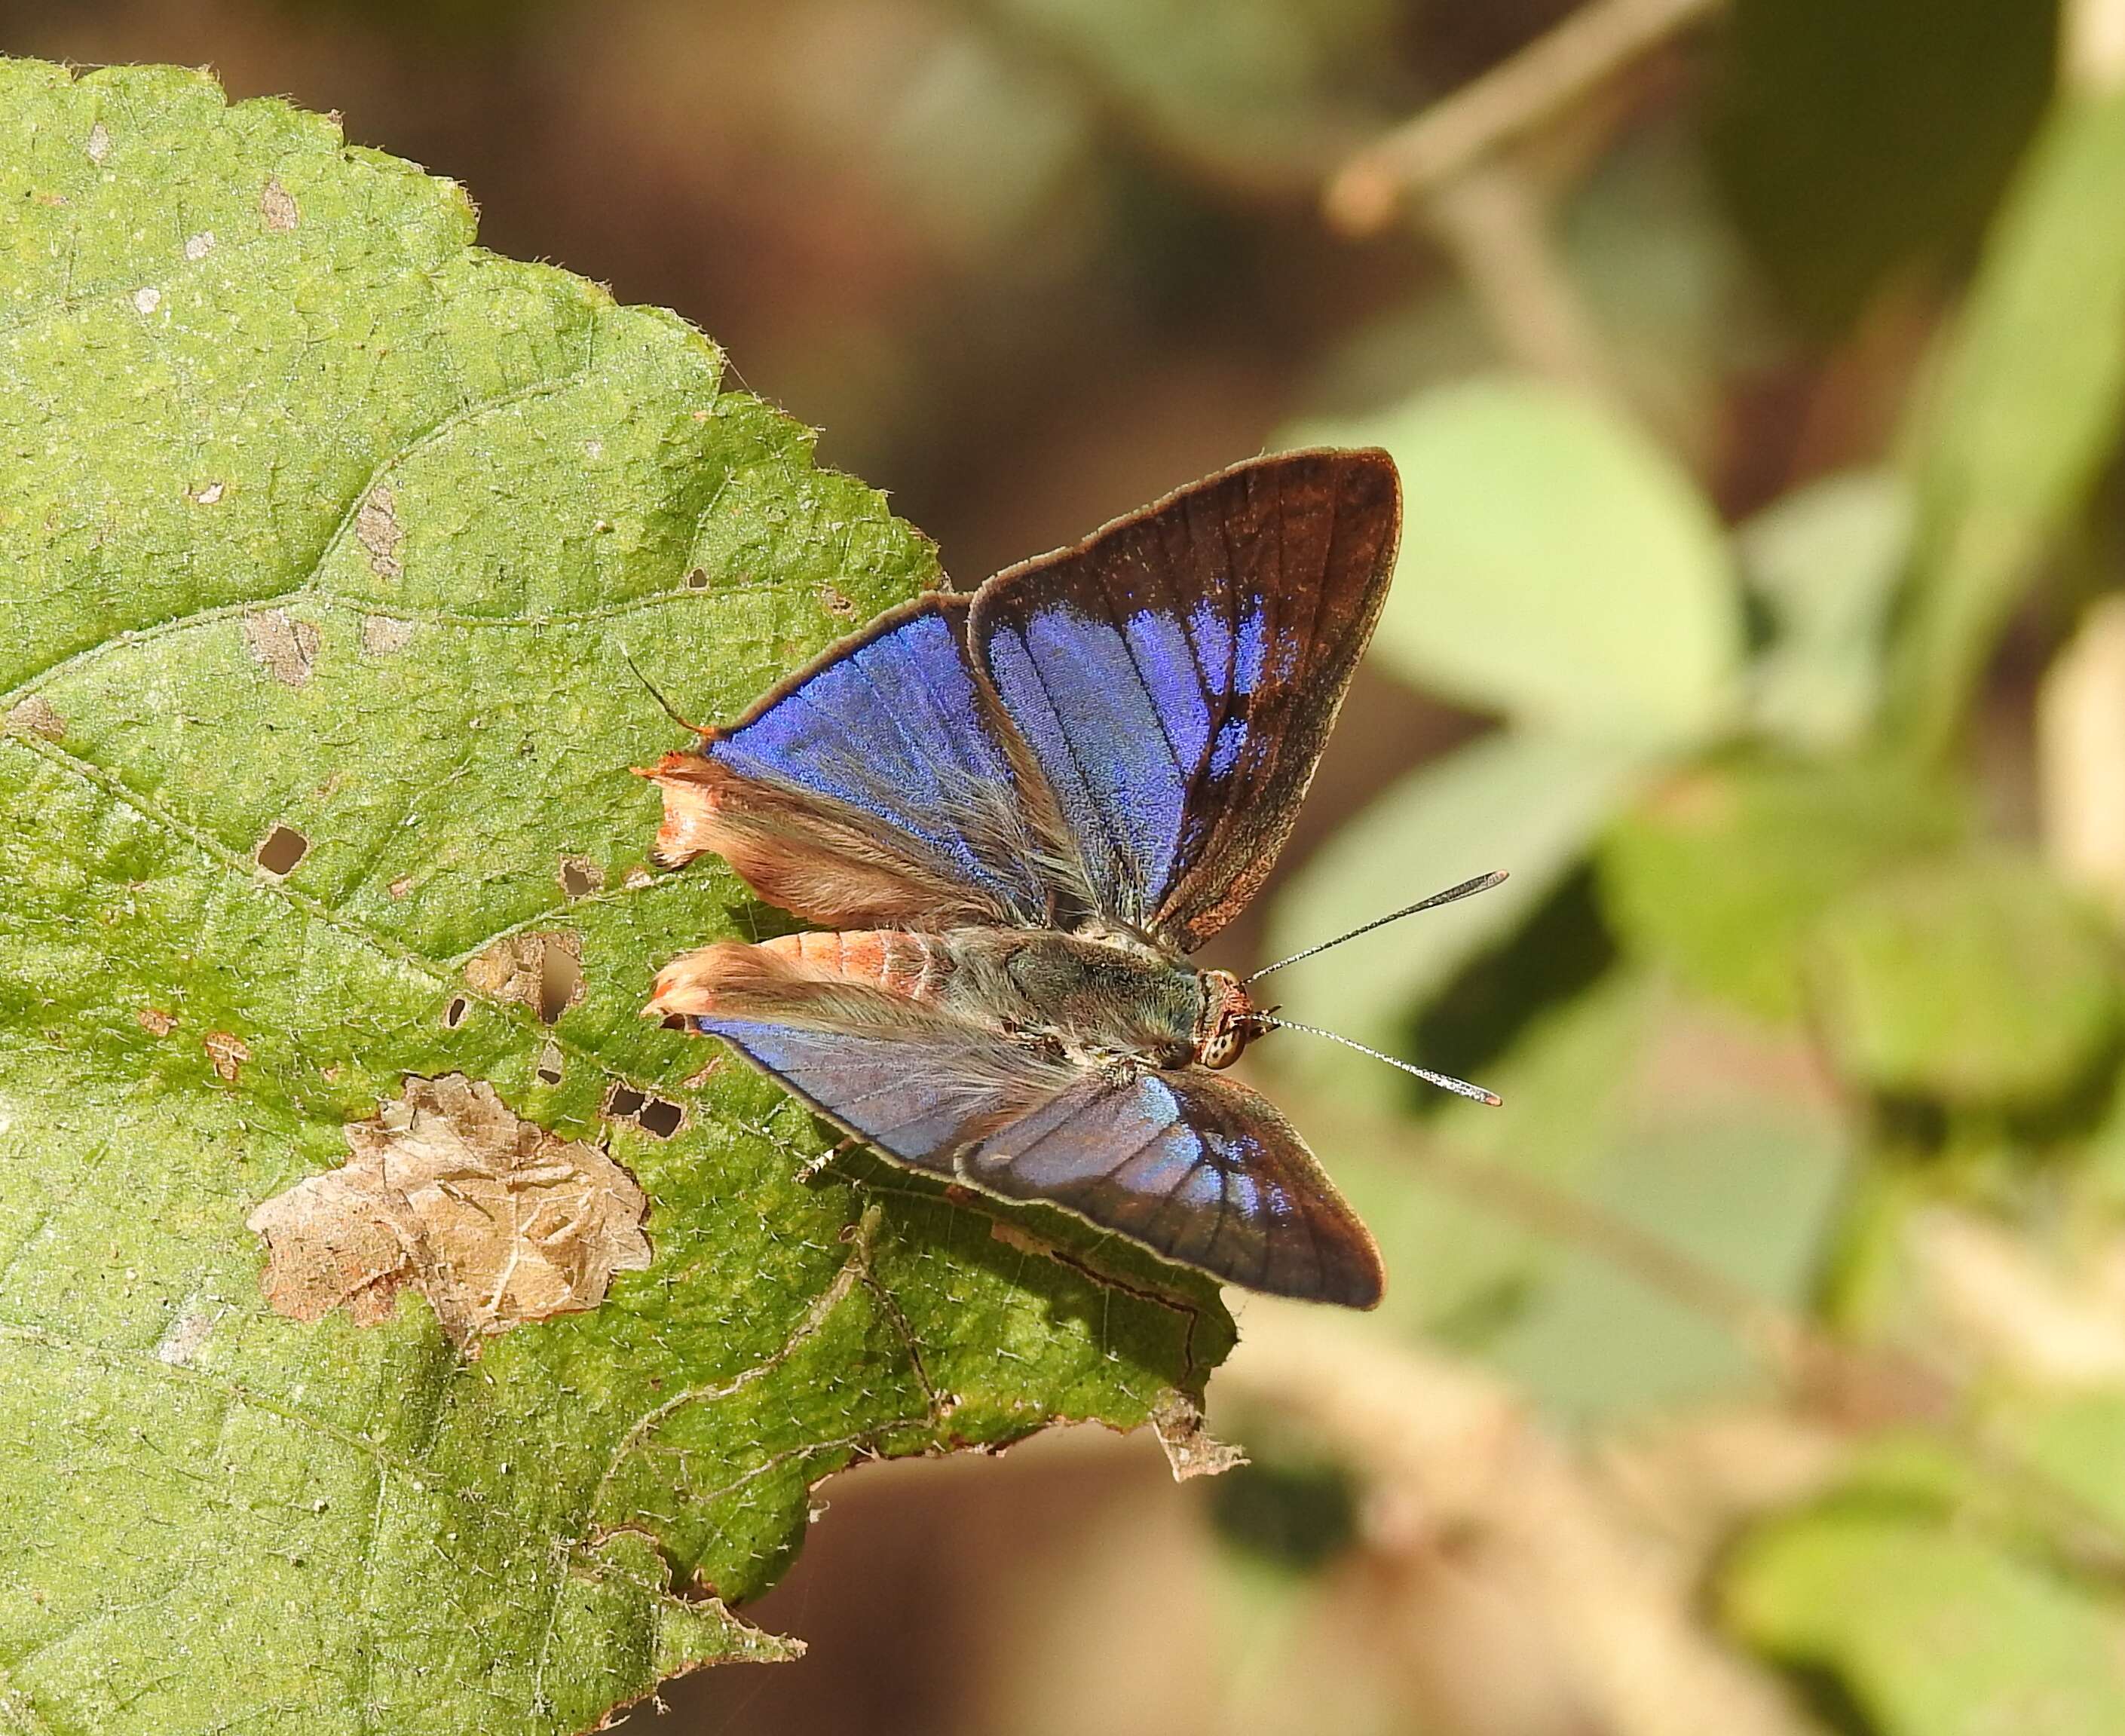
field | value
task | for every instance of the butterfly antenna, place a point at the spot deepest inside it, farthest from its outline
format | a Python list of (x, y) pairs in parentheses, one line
[(1467, 888), (1445, 1082), (670, 710)]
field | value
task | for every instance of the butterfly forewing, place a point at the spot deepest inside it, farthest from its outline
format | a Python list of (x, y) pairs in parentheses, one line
[(875, 785), (1176, 676)]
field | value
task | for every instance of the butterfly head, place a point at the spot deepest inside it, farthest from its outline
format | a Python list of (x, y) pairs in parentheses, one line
[(1229, 1020)]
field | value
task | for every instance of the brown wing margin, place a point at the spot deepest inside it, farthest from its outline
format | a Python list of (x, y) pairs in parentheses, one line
[(1176, 676), (1316, 536)]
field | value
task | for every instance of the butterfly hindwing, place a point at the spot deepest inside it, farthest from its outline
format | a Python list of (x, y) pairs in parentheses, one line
[(1176, 676), (1188, 1164), (1195, 1167)]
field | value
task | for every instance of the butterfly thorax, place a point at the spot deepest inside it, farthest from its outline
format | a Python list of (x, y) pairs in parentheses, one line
[(1093, 1000)]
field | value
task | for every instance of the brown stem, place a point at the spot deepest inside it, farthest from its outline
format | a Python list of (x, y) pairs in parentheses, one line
[(1445, 140)]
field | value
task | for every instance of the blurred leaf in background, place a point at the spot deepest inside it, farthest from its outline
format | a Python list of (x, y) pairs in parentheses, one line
[(1507, 485), (1267, 91), (1858, 141), (2026, 412)]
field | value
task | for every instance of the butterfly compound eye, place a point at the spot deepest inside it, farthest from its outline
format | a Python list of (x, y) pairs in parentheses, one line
[(1227, 1020)]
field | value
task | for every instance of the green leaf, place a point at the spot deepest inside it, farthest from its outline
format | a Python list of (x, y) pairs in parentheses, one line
[(1855, 140), (1555, 566), (1974, 981), (2074, 1441), (1825, 561), (1630, 1106), (2026, 410), (1529, 803), (1668, 285), (1930, 1631), (321, 520), (1723, 874)]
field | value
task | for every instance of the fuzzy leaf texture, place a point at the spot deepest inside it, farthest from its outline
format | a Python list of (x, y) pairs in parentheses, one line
[(326, 535)]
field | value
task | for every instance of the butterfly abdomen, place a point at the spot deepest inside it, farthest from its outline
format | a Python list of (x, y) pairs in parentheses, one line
[(917, 965)]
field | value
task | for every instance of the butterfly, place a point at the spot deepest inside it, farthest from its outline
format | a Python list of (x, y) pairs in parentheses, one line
[(1015, 814)]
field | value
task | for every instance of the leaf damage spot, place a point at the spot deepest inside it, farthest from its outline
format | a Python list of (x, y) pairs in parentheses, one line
[(34, 716), (548, 1068), (385, 636), (210, 495), (581, 876), (401, 888), (493, 1219), (560, 977), (285, 647), (281, 849), (454, 1014), (156, 1022), (98, 147), (147, 299), (198, 246), (657, 1117), (188, 1333), (543, 972), (836, 602), (1190, 1448), (697, 580), (227, 1051), (660, 1118), (376, 529), (276, 205)]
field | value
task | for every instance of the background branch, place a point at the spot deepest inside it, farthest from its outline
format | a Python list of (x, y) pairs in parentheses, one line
[(1449, 138)]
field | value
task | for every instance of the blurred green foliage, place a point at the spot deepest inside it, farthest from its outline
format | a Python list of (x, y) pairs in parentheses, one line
[(1845, 990), (1855, 141)]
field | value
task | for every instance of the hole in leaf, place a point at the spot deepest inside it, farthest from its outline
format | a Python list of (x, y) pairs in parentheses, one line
[(660, 1118), (624, 1101), (454, 1014), (697, 580), (560, 981), (541, 971), (581, 876), (549, 1064), (283, 848), (673, 1021)]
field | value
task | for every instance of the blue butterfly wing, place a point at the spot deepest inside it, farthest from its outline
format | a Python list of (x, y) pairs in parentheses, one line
[(1196, 1167), (877, 786), (1175, 677), (1188, 1164)]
